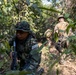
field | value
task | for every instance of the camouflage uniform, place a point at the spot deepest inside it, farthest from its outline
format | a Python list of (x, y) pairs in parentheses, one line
[(48, 34), (60, 28), (27, 49), (62, 42)]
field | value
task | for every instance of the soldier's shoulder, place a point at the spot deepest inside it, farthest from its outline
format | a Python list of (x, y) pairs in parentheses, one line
[(58, 24), (33, 40), (66, 23)]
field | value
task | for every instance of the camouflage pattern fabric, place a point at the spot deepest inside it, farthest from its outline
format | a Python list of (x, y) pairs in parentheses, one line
[(60, 28), (62, 42), (23, 26), (27, 53)]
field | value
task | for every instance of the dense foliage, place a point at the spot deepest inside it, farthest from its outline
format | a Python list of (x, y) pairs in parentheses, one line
[(40, 18)]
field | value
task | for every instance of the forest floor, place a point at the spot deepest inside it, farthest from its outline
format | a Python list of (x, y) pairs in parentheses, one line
[(67, 67)]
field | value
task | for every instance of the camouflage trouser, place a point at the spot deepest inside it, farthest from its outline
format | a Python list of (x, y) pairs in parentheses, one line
[(60, 46), (32, 71), (61, 43)]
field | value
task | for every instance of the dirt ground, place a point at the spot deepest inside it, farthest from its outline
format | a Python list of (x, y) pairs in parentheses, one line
[(68, 67)]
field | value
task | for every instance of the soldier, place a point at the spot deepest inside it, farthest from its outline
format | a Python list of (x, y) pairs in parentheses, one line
[(48, 34), (50, 42), (60, 28), (62, 42), (26, 47), (46, 51)]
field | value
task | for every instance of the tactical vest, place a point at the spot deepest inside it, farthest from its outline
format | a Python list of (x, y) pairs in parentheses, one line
[(60, 28), (23, 48)]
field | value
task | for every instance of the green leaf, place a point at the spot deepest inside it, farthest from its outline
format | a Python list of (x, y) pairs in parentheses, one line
[(74, 48), (50, 9), (67, 15), (15, 1), (6, 44), (56, 36), (24, 72), (28, 2), (1, 14), (34, 7), (72, 38), (4, 9), (39, 49), (69, 20), (1, 63), (12, 73), (17, 72)]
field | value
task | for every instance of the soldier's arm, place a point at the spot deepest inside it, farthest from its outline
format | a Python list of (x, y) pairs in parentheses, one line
[(35, 57)]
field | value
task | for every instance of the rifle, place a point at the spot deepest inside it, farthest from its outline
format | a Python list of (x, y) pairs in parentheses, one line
[(14, 57)]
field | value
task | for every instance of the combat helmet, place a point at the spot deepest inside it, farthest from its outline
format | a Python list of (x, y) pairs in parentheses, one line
[(60, 16), (23, 26), (48, 33)]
